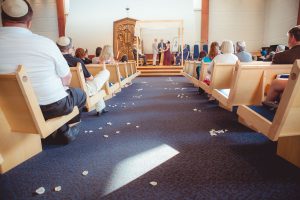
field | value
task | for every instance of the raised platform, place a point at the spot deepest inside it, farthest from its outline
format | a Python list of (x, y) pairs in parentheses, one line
[(160, 70)]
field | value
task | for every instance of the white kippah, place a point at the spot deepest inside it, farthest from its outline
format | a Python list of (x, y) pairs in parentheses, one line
[(241, 43), (63, 41), (15, 8)]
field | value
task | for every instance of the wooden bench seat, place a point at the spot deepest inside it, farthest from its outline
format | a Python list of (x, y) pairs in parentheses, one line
[(249, 83), (78, 81), (22, 124), (285, 126), (114, 83)]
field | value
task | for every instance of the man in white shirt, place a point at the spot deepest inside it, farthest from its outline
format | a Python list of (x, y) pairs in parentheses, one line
[(155, 51), (47, 69)]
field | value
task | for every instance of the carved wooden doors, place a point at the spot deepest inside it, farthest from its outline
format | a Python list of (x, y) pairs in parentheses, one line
[(124, 37)]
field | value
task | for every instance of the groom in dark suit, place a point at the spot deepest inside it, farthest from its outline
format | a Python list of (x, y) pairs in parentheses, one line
[(161, 46)]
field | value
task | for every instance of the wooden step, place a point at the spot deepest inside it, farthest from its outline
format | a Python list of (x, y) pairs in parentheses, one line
[(161, 74), (159, 67), (161, 70)]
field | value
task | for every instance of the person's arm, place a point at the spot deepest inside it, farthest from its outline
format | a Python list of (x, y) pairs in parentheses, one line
[(61, 66), (66, 81), (87, 75)]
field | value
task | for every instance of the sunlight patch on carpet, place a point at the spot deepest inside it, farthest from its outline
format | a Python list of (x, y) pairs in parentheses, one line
[(134, 167)]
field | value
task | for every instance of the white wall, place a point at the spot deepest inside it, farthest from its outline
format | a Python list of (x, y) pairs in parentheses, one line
[(237, 20), (44, 18), (90, 23), (280, 16)]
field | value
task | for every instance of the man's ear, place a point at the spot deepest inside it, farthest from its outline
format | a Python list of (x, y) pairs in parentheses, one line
[(29, 24)]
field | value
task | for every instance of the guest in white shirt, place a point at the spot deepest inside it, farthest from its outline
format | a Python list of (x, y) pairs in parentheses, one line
[(226, 57), (47, 69)]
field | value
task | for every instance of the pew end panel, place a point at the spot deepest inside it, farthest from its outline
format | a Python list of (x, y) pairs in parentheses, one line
[(21, 120), (17, 96), (289, 149), (286, 120), (15, 148), (114, 79)]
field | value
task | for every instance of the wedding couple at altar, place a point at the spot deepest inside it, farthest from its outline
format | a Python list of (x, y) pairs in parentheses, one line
[(162, 50)]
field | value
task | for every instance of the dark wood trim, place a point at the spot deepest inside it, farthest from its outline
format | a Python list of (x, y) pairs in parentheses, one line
[(204, 22), (61, 18)]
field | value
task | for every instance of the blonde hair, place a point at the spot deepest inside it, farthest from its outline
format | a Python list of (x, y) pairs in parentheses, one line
[(106, 53), (227, 46)]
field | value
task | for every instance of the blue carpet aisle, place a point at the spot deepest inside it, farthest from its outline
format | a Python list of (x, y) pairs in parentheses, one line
[(158, 130)]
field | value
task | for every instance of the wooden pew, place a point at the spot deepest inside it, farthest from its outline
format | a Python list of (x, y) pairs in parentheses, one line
[(22, 123), (135, 73), (185, 66), (78, 81), (188, 70), (220, 78), (284, 125), (248, 84), (124, 76), (114, 85), (131, 71)]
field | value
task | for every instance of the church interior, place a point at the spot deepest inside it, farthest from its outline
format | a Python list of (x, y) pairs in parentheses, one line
[(165, 123)]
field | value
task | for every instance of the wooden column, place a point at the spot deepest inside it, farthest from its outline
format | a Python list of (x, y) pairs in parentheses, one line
[(298, 21), (61, 18), (204, 22)]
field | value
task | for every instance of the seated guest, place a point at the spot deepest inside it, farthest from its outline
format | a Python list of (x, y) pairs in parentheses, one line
[(227, 57), (86, 59), (280, 48), (107, 55), (213, 52), (95, 60), (200, 58), (186, 55), (80, 53), (94, 84), (47, 69), (287, 57), (124, 58), (269, 57), (136, 51), (263, 53), (242, 55)]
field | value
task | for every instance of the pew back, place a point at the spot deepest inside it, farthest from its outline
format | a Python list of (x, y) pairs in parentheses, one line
[(221, 76), (251, 81), (286, 121)]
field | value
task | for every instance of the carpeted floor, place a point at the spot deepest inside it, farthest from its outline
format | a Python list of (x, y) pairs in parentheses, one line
[(158, 146)]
